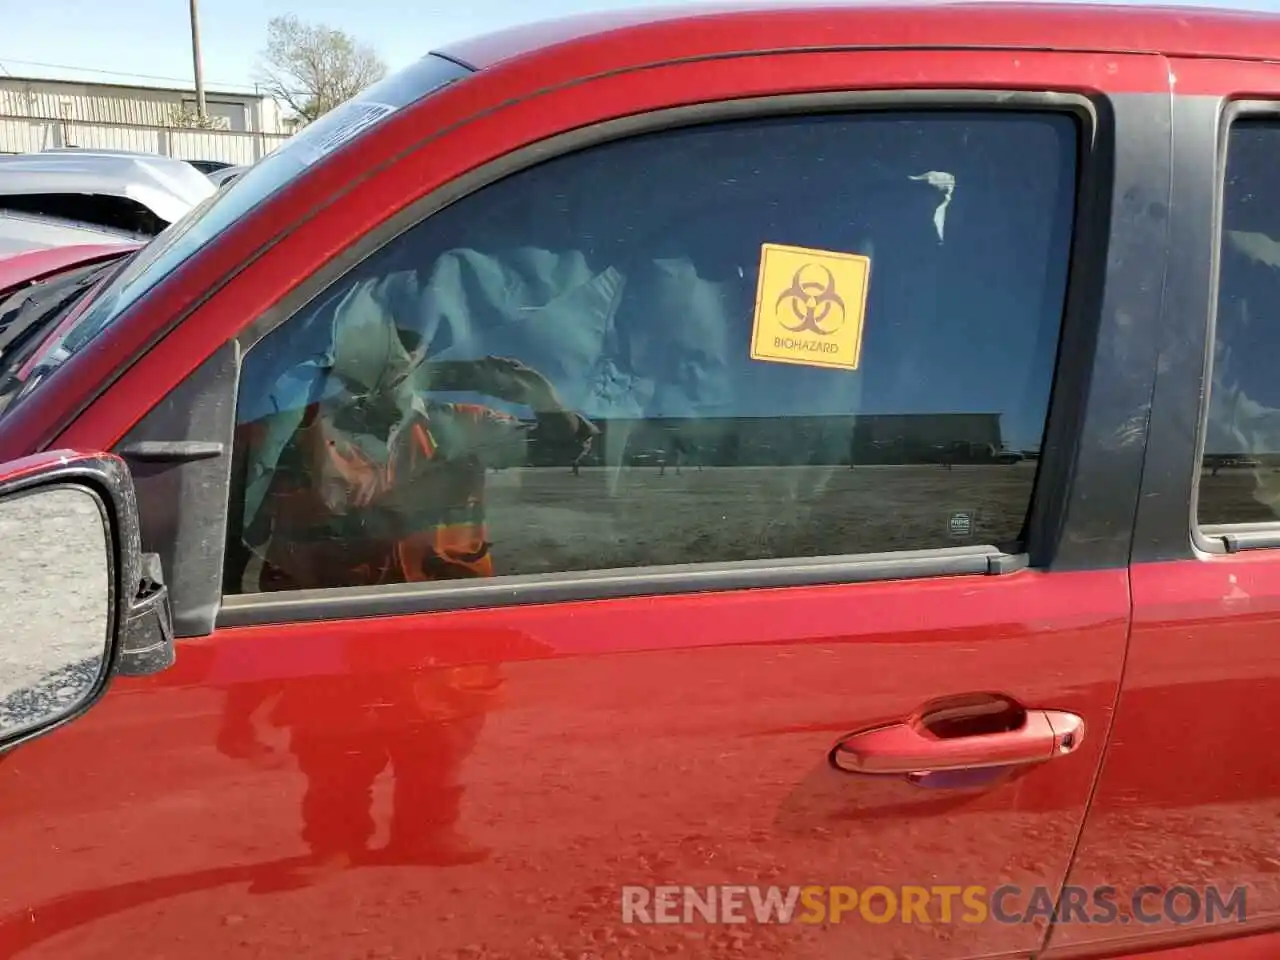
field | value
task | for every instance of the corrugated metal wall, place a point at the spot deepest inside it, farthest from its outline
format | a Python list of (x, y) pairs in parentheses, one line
[(135, 106), (39, 114), (224, 145), (23, 135), (82, 102), (20, 135)]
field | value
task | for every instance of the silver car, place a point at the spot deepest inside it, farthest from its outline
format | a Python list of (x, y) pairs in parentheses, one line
[(21, 231), (133, 192)]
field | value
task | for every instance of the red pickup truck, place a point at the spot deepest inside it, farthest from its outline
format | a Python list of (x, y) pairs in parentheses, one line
[(346, 620)]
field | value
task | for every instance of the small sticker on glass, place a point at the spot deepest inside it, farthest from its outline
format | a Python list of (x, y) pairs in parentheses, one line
[(337, 127), (962, 524), (810, 307)]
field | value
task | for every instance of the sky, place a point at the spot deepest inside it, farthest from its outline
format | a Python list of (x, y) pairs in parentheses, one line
[(123, 41), (149, 41)]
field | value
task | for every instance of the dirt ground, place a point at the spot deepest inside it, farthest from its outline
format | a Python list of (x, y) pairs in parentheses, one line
[(1235, 495), (546, 519), (54, 582)]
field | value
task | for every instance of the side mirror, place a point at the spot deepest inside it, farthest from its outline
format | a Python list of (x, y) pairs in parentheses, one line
[(79, 603)]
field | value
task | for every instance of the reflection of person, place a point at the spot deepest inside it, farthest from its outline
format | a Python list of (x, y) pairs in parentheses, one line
[(345, 729), (381, 486), (678, 450), (368, 492), (583, 454)]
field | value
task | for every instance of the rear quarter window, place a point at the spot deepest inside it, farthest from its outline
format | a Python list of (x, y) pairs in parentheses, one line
[(1240, 469)]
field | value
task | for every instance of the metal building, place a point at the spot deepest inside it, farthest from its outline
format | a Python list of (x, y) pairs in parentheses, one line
[(37, 114)]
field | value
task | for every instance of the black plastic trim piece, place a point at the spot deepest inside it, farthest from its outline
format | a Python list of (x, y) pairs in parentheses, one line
[(1235, 538), (456, 61), (173, 451), (180, 454), (302, 605), (1098, 420), (1002, 563), (1166, 515), (147, 646)]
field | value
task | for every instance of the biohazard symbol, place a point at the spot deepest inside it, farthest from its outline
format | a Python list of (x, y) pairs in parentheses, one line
[(813, 299)]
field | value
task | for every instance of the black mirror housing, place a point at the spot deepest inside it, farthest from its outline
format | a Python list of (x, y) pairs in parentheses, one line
[(146, 645)]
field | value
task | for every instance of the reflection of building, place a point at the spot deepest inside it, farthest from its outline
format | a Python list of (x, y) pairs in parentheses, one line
[(913, 438)]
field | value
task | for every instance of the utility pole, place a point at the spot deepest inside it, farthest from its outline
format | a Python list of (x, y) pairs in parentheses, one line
[(201, 110)]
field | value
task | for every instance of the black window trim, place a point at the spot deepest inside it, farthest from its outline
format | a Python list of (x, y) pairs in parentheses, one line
[(1047, 521), (1225, 538)]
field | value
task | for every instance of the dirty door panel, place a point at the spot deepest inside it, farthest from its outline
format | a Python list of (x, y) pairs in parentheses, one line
[(1189, 799), (599, 745), (754, 557)]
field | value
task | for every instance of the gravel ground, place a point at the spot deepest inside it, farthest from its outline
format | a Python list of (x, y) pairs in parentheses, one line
[(54, 583), (546, 520), (51, 694), (1236, 495)]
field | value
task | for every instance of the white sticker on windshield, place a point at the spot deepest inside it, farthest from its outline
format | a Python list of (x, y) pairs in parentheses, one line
[(337, 127)]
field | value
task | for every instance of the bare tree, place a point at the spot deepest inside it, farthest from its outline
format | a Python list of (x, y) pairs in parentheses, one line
[(312, 68), (188, 118)]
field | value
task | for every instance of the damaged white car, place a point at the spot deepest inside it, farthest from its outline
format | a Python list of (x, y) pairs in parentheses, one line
[(134, 193)]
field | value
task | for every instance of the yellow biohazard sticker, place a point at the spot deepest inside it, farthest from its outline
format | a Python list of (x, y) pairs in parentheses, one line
[(810, 307)]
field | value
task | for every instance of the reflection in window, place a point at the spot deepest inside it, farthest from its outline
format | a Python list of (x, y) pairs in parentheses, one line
[(1240, 475), (555, 373)]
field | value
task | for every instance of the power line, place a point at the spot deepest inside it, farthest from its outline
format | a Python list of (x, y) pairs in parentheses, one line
[(117, 73)]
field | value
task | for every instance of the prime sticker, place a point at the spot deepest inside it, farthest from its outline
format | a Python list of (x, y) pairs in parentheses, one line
[(810, 307)]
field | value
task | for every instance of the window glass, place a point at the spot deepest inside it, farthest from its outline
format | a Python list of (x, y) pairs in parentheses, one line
[(644, 353), (1240, 471), (216, 214)]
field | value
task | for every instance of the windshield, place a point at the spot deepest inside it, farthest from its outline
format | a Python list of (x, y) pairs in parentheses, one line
[(213, 216)]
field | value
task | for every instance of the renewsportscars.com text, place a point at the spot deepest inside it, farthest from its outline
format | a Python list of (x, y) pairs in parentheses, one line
[(1181, 904)]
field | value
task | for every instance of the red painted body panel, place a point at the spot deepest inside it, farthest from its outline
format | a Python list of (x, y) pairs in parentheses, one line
[(1239, 81), (554, 753), (671, 32), (25, 466), (1263, 946), (1191, 785), (628, 741), (38, 264), (634, 741), (615, 742)]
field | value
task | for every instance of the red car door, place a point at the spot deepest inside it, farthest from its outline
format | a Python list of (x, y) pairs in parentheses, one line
[(1189, 798), (886, 315)]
